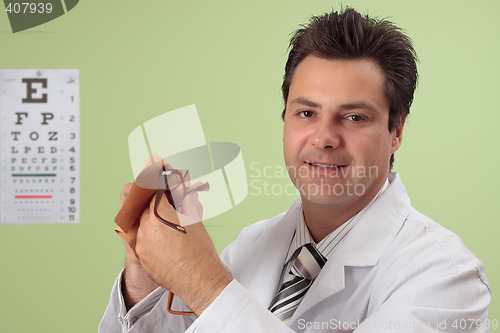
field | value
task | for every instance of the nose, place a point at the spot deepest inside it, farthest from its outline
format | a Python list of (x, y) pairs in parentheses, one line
[(326, 135)]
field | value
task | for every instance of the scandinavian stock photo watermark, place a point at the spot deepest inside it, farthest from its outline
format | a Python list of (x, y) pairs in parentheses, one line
[(274, 180)]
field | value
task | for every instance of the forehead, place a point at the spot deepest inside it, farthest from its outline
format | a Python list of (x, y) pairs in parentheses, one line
[(333, 81)]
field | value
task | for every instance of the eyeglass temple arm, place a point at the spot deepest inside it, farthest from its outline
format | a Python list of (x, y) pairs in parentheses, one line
[(168, 194)]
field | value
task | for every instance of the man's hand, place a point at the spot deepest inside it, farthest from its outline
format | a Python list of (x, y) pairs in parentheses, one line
[(185, 264), (136, 282)]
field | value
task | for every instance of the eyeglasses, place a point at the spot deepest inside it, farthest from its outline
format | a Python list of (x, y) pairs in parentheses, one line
[(170, 179)]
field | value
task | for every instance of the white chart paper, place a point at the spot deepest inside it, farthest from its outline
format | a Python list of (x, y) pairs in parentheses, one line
[(40, 146)]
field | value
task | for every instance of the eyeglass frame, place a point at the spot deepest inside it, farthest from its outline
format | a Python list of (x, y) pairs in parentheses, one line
[(168, 193)]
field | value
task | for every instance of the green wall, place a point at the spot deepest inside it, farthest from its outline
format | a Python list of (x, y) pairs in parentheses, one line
[(141, 59)]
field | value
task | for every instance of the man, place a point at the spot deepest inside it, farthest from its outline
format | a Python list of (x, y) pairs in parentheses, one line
[(351, 254)]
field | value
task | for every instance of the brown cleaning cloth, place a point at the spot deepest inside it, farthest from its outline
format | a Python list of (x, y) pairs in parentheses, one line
[(139, 198)]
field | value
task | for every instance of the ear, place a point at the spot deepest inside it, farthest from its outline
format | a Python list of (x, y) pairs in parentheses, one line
[(397, 135), (283, 115)]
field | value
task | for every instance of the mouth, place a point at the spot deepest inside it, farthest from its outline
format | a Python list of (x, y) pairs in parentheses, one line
[(327, 165)]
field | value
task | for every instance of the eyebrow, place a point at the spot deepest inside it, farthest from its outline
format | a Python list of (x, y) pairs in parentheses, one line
[(347, 106), (306, 102), (354, 106)]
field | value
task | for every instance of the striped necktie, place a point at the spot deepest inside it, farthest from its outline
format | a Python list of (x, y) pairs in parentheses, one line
[(307, 265)]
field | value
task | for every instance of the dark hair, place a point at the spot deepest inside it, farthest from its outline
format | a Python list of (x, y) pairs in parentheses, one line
[(349, 35)]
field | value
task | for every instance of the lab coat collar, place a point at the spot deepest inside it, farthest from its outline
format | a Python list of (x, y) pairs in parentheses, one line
[(378, 226)]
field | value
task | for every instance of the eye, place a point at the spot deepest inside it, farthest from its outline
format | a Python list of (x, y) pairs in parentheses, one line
[(355, 118), (305, 114)]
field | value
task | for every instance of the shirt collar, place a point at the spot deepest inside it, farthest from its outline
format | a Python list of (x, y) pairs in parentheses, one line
[(302, 236)]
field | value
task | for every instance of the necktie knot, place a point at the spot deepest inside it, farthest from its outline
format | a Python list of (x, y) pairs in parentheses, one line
[(308, 263)]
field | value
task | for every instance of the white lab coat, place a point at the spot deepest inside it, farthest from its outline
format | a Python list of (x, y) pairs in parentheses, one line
[(396, 271)]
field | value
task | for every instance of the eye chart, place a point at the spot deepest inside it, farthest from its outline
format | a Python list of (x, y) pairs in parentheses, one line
[(39, 146)]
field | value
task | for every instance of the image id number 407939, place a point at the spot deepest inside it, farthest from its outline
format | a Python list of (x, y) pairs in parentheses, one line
[(468, 324), (29, 8)]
